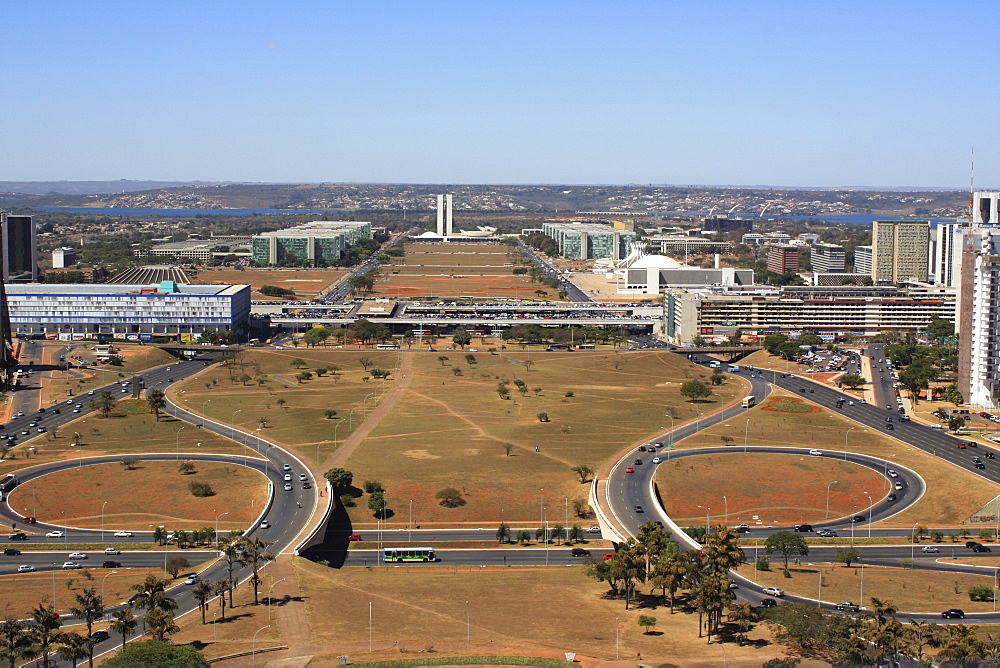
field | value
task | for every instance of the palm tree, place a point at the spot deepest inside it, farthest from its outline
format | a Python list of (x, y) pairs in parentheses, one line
[(722, 552), (75, 647), (919, 634), (220, 588), (203, 592), (232, 550), (159, 535), (89, 608), (743, 615), (15, 641), (254, 555), (153, 595), (670, 572), (713, 596), (124, 623), (161, 623), (45, 623), (959, 643), (157, 401)]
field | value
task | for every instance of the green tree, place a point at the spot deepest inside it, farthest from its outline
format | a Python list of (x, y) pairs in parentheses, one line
[(584, 472), (717, 378), (15, 641), (647, 623), (186, 468), (255, 554), (503, 533), (220, 588), (88, 608), (523, 537), (201, 489), (461, 337), (786, 543), (129, 463), (340, 479), (980, 593), (376, 503), (743, 616), (45, 624), (330, 413), (543, 417), (442, 359), (956, 423), (157, 401), (847, 555), (470, 359), (176, 564), (105, 403), (153, 594), (75, 647), (695, 390), (203, 593), (157, 653), (941, 328), (722, 551), (450, 497), (502, 391), (298, 363), (159, 535), (670, 572), (851, 380)]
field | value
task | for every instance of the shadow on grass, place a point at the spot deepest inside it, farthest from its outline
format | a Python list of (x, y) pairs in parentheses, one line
[(283, 601), (231, 618)]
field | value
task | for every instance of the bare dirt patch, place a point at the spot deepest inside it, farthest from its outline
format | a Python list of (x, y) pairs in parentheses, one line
[(788, 405), (419, 454), (75, 497), (306, 283)]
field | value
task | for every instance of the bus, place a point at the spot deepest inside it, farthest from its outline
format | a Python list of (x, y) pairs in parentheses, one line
[(585, 346), (408, 554), (715, 364), (749, 401), (387, 346), (734, 368)]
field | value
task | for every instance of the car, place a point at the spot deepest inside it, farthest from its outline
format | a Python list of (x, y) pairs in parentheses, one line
[(303, 477), (25, 433), (609, 555), (930, 549), (980, 548), (288, 486), (898, 485), (32, 424), (111, 564), (265, 525), (960, 446), (657, 460), (288, 476), (70, 565), (816, 453), (78, 555), (774, 591), (639, 509), (847, 606), (55, 534), (734, 585), (192, 579), (354, 537), (768, 603), (112, 550), (123, 534), (980, 465), (99, 636), (891, 473), (286, 467), (594, 529), (889, 426), (972, 444), (29, 520), (579, 552), (637, 462), (642, 448), (18, 536), (802, 528), (11, 552), (25, 568), (743, 529), (990, 455), (858, 518), (306, 485), (891, 498), (826, 533), (953, 613), (971, 543)]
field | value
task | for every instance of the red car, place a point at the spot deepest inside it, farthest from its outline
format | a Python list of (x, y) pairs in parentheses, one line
[(29, 520), (629, 469), (609, 556), (354, 536), (961, 446)]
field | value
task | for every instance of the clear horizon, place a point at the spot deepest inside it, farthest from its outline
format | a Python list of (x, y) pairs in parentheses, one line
[(787, 94)]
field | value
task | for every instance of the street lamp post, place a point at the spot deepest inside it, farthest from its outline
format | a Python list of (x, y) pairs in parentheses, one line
[(746, 429), (832, 483), (253, 646), (913, 542), (410, 524), (269, 601), (871, 504), (846, 434), (670, 436), (707, 509), (177, 442), (102, 520), (726, 501), (204, 405), (232, 421), (105, 579), (217, 528), (321, 443)]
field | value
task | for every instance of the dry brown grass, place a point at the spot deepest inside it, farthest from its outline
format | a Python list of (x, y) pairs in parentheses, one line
[(754, 498), (19, 593), (137, 359), (952, 494), (416, 608), (306, 283), (75, 497)]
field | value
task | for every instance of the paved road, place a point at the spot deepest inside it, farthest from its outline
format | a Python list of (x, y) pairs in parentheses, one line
[(573, 293)]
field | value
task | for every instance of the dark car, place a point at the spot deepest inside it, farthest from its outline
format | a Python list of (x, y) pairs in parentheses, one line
[(858, 518), (768, 603), (980, 548), (11, 552), (99, 636), (18, 536), (889, 426), (953, 613), (29, 520), (891, 497), (111, 564), (990, 455), (847, 606), (579, 552), (971, 543), (637, 462), (980, 465), (638, 509), (803, 527)]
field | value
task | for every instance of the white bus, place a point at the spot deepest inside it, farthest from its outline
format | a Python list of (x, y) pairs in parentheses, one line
[(387, 346)]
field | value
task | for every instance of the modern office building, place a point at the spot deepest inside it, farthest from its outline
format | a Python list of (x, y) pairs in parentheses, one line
[(589, 241), (652, 274), (726, 224), (947, 253), (827, 258), (827, 311), (316, 244), (18, 249), (444, 216), (688, 245), (83, 311), (782, 259), (979, 322), (986, 207), (863, 260), (900, 251), (63, 257)]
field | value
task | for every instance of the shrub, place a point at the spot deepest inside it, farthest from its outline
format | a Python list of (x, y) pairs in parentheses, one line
[(201, 489), (450, 497), (980, 593), (763, 563)]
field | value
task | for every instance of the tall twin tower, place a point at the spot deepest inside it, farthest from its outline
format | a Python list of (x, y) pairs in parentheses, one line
[(444, 228)]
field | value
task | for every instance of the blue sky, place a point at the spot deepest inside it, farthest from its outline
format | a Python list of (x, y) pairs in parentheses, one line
[(778, 93)]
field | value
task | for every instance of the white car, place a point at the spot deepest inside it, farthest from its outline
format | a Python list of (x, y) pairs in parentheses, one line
[(286, 467), (54, 534), (71, 564), (288, 486), (123, 534), (929, 548), (303, 477), (816, 453), (657, 460), (192, 579), (594, 530), (265, 525), (891, 473), (774, 591), (288, 477), (78, 555), (25, 568), (898, 485)]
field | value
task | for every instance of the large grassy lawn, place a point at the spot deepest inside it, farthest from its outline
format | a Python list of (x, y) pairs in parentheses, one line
[(421, 609), (77, 496), (952, 495), (454, 430), (306, 283), (22, 592), (752, 495)]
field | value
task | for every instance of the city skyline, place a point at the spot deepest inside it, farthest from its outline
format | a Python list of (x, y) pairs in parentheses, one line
[(785, 95)]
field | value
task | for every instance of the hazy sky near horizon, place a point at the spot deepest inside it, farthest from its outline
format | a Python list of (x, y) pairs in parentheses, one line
[(796, 93)]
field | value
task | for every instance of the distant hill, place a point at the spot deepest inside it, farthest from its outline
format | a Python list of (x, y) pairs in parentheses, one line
[(91, 187)]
